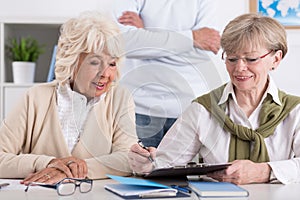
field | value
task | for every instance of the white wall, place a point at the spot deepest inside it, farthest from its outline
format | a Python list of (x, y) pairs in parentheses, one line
[(50, 9), (286, 75), (225, 14)]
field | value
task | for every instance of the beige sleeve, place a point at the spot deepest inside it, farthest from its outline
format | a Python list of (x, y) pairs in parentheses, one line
[(14, 133)]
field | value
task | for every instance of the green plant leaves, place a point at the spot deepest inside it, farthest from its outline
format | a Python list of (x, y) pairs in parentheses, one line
[(25, 49)]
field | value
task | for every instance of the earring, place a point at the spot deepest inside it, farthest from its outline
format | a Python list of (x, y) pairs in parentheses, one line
[(273, 68)]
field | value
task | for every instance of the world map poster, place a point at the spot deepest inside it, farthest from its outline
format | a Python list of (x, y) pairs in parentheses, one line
[(287, 12)]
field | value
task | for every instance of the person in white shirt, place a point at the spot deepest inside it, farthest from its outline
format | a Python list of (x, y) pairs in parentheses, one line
[(168, 59), (248, 122)]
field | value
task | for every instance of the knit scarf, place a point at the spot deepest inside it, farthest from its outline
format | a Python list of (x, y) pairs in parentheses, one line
[(270, 116)]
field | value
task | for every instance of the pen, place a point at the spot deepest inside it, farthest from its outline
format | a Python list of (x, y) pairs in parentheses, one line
[(144, 147), (157, 194), (181, 189), (3, 185)]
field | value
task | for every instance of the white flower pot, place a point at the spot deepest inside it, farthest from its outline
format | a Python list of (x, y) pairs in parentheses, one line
[(23, 72)]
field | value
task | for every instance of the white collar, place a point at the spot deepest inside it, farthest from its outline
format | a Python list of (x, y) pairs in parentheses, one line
[(65, 90), (272, 90)]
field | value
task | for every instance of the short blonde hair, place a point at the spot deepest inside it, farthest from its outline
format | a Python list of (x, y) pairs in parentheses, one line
[(252, 31), (89, 33)]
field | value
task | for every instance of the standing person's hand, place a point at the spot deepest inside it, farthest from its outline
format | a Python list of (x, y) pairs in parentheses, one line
[(243, 172), (131, 19), (207, 39), (139, 159)]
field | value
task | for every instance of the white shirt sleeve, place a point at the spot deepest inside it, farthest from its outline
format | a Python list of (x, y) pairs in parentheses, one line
[(148, 44), (288, 171), (181, 143)]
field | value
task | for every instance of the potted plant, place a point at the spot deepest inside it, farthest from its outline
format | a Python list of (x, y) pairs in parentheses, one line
[(24, 53)]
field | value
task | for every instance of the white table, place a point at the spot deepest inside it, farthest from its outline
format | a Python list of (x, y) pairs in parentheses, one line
[(256, 191)]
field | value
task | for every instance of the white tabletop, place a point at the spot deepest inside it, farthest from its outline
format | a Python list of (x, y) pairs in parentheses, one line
[(256, 191)]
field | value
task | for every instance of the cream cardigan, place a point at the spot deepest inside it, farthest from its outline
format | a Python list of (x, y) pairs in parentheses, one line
[(30, 136)]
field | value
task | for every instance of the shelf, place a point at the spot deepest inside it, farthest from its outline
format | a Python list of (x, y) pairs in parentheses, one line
[(45, 32)]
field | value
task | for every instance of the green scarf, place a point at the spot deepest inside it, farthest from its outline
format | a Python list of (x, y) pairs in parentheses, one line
[(270, 116)]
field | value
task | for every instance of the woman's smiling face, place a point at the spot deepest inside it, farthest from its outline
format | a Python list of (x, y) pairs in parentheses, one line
[(94, 74), (249, 70)]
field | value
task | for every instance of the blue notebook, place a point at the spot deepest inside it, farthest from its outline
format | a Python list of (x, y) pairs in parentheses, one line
[(217, 189), (133, 188)]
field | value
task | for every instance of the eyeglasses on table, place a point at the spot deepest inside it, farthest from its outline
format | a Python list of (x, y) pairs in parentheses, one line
[(67, 186)]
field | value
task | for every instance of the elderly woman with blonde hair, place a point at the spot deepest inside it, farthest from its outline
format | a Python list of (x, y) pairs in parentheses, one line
[(79, 125), (247, 122)]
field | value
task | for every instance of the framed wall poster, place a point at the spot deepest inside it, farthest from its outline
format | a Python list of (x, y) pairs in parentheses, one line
[(287, 12)]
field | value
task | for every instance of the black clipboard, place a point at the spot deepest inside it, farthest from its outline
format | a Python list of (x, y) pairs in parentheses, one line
[(186, 170)]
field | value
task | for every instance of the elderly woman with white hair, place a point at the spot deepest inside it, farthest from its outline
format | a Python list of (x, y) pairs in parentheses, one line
[(79, 125)]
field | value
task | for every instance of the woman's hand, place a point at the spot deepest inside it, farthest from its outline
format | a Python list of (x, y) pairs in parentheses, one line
[(139, 159), (71, 166), (47, 175), (243, 172), (58, 169)]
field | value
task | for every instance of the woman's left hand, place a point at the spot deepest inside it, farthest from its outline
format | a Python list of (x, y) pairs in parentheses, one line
[(243, 172), (73, 167), (47, 175)]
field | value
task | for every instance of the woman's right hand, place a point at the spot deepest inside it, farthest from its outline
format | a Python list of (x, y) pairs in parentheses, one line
[(139, 159), (46, 175), (58, 169)]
